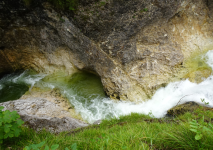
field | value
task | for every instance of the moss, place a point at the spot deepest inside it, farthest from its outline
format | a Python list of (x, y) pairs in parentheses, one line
[(84, 17), (196, 67), (144, 10), (183, 108), (27, 2), (65, 4), (102, 3), (196, 62)]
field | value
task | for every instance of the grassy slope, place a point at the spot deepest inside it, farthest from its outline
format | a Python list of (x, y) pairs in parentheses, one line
[(129, 132)]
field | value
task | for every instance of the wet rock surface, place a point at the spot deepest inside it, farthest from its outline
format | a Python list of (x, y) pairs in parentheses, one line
[(53, 96), (186, 107), (134, 46), (39, 113)]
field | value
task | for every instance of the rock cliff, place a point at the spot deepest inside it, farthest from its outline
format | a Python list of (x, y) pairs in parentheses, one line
[(134, 46)]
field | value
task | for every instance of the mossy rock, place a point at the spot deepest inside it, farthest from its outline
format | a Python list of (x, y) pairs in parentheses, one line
[(196, 68), (186, 107), (199, 75)]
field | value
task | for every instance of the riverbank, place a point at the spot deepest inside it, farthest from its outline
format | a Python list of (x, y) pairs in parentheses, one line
[(135, 131)]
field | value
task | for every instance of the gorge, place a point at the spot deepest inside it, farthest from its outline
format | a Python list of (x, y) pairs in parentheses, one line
[(147, 54)]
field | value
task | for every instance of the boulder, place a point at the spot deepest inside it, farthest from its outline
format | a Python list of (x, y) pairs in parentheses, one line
[(186, 107), (39, 113)]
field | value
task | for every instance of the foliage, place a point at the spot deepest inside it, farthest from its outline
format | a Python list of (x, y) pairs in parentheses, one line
[(9, 124), (200, 129), (73, 147), (203, 100), (198, 122), (42, 144), (102, 3), (134, 131)]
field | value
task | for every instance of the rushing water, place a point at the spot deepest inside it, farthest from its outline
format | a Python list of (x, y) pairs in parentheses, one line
[(13, 86), (86, 94)]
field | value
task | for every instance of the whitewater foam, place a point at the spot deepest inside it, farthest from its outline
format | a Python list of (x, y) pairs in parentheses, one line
[(27, 78), (95, 107), (164, 99)]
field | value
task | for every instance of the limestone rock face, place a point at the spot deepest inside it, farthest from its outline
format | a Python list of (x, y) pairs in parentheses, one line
[(39, 113), (134, 46), (53, 96)]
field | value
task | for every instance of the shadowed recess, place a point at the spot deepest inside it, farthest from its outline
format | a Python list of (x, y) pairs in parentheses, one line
[(11, 89)]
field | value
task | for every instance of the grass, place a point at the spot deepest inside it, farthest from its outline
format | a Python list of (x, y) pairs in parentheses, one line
[(134, 131)]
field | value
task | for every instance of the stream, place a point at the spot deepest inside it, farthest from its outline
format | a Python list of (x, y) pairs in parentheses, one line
[(85, 93)]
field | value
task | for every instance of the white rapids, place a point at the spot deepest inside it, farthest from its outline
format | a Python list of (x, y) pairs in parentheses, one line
[(164, 99), (99, 107)]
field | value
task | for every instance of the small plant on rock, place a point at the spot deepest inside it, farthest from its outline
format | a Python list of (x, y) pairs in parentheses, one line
[(203, 100)]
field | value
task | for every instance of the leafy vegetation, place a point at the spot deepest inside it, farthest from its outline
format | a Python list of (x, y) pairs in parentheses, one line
[(42, 144), (192, 130), (9, 124), (201, 128)]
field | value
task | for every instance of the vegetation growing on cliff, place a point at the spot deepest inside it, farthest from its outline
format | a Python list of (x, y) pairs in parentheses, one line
[(65, 4)]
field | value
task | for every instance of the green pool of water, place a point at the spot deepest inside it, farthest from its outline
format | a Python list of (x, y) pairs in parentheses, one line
[(86, 85), (11, 89)]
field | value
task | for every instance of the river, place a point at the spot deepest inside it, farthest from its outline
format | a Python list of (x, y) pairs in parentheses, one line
[(85, 93)]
